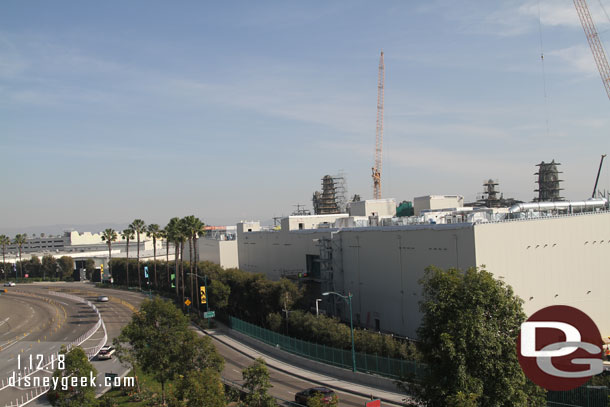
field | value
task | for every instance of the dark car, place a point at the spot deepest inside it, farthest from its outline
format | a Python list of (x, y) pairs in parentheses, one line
[(303, 396)]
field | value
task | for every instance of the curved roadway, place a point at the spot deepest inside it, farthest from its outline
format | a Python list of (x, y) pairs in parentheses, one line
[(26, 317)]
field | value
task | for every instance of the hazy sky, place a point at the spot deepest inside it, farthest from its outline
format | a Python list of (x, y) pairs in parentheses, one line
[(115, 110)]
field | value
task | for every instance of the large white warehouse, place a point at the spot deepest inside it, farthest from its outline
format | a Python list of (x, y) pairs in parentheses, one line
[(561, 257)]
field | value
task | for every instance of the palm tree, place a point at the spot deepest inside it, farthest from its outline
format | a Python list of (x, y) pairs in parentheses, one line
[(128, 235), (163, 235), (109, 236), (173, 235), (188, 224), (199, 229), (154, 231), (19, 240), (4, 241), (138, 226)]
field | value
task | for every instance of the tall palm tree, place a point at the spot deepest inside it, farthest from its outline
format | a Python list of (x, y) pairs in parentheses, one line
[(4, 241), (127, 234), (173, 235), (109, 236), (163, 235), (19, 240), (182, 236), (154, 231), (138, 226), (188, 224), (199, 231)]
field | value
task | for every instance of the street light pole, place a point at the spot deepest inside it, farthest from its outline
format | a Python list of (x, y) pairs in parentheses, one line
[(348, 299)]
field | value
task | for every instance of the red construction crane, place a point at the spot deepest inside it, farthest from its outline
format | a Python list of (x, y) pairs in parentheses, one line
[(596, 45), (379, 131)]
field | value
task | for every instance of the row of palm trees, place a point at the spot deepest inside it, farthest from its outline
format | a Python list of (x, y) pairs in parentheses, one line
[(19, 240), (178, 231)]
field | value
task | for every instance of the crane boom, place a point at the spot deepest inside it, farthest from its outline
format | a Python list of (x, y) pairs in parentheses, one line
[(379, 131), (596, 45)]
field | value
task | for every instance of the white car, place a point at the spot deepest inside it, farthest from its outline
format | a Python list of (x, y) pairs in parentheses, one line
[(9, 284), (102, 298), (105, 353)]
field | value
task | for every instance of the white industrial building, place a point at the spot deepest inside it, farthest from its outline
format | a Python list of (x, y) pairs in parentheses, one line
[(550, 253)]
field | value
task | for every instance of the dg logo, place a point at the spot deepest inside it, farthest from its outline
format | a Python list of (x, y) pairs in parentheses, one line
[(560, 348)]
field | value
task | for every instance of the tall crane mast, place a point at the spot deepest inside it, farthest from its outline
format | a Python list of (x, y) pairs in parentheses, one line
[(379, 131), (596, 45)]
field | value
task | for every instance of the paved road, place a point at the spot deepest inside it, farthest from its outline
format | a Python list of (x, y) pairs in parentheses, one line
[(61, 320)]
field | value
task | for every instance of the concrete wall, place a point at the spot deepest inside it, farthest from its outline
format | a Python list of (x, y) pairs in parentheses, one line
[(437, 202), (552, 261), (381, 207), (382, 267), (277, 253), (310, 221)]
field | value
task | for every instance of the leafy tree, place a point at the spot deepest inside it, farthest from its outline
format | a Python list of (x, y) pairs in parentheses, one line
[(49, 265), (109, 235), (66, 267), (201, 388), (218, 295), (33, 266), (163, 346), (76, 365), (19, 240), (127, 234), (139, 227), (256, 381), (155, 232), (468, 339), (89, 268), (197, 353), (4, 241)]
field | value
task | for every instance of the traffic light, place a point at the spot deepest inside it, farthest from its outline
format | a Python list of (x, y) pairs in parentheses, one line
[(173, 279), (102, 270), (145, 271), (204, 298)]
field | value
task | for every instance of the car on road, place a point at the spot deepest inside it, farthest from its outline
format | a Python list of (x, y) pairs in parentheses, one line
[(105, 353), (303, 396), (102, 298), (9, 284)]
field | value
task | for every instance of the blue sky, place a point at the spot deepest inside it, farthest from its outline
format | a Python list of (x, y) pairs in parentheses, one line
[(111, 111)]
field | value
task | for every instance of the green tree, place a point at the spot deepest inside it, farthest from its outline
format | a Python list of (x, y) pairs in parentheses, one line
[(19, 240), (4, 241), (163, 346), (89, 268), (66, 267), (201, 388), (76, 365), (33, 266), (468, 339), (256, 382), (153, 230), (139, 227), (127, 235), (109, 235), (49, 265), (218, 295)]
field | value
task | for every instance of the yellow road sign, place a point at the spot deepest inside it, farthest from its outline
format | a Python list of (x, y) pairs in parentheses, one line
[(187, 302)]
